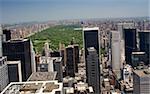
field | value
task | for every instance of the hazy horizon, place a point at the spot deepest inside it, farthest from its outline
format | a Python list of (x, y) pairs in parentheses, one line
[(15, 11)]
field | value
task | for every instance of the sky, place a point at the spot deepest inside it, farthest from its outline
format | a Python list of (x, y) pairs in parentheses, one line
[(14, 11)]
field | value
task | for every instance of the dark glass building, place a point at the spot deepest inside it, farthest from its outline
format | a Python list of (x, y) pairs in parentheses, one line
[(93, 70), (76, 58), (144, 38), (92, 53), (91, 39), (7, 34), (130, 43), (70, 64), (19, 50), (13, 73)]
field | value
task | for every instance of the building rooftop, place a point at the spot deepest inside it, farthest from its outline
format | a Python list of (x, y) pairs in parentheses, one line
[(89, 29), (57, 59), (91, 49), (138, 53), (145, 31), (32, 87), (42, 76), (13, 62), (17, 40), (79, 88), (143, 73)]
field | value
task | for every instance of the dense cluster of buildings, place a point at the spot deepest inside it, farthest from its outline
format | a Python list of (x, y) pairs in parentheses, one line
[(112, 61)]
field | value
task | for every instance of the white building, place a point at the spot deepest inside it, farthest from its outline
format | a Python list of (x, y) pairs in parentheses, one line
[(115, 52), (34, 87)]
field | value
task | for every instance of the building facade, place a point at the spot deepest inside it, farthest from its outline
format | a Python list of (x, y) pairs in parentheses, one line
[(141, 81), (70, 64), (14, 71), (3, 73), (144, 38), (130, 43), (115, 53), (19, 50), (93, 69)]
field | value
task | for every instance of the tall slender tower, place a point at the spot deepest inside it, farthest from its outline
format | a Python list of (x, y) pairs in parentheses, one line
[(144, 37), (115, 52), (3, 66), (1, 36), (93, 74), (92, 49)]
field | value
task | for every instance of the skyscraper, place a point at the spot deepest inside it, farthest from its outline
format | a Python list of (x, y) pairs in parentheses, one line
[(33, 63), (141, 81), (58, 68), (144, 38), (1, 36), (93, 69), (91, 39), (14, 71), (137, 58), (115, 52), (70, 64), (76, 56), (3, 73), (3, 66), (121, 28), (130, 43), (19, 50), (7, 34)]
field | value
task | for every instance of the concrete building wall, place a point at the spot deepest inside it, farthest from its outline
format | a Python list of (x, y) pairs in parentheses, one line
[(3, 73), (93, 70), (58, 68), (116, 54), (141, 82)]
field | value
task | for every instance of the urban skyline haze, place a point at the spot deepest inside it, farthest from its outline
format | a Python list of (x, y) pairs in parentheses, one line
[(14, 11)]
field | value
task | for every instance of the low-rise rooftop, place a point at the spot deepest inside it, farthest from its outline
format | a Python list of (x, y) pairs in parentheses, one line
[(42, 76), (143, 73), (34, 87)]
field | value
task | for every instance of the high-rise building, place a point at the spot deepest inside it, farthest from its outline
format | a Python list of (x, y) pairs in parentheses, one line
[(70, 64), (144, 38), (141, 81), (33, 63), (137, 58), (129, 26), (91, 39), (1, 37), (14, 71), (7, 34), (19, 50), (3, 66), (130, 43), (3, 73), (115, 52), (58, 68), (76, 56), (93, 69), (62, 52), (72, 59)]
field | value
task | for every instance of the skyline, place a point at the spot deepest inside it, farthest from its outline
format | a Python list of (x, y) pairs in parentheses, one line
[(15, 11)]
